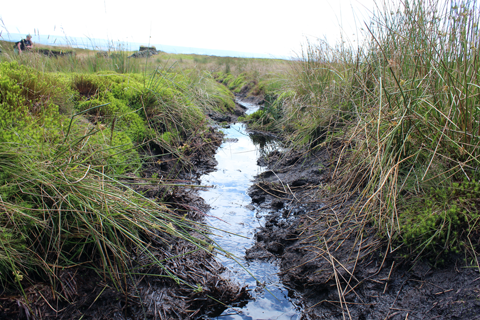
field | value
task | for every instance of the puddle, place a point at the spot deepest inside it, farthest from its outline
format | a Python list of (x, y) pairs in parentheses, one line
[(231, 210)]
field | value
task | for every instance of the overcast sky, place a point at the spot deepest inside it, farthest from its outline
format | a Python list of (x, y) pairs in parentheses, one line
[(276, 28)]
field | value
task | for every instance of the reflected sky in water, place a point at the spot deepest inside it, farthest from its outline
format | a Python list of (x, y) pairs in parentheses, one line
[(231, 210)]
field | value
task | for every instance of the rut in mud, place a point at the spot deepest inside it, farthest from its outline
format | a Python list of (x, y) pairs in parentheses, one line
[(232, 212), (285, 231)]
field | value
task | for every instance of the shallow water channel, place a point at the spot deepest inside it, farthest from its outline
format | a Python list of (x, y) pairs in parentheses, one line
[(231, 210)]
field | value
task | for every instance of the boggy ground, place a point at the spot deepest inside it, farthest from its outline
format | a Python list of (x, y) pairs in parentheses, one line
[(343, 271), (87, 295)]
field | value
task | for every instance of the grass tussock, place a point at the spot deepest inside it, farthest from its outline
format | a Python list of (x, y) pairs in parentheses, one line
[(401, 112), (58, 215)]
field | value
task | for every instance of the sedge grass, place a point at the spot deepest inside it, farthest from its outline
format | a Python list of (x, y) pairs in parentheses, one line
[(401, 111), (56, 216)]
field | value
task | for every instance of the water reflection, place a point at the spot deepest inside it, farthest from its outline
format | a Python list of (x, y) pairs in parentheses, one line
[(231, 210)]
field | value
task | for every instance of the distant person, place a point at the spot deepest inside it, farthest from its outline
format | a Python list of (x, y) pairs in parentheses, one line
[(24, 44)]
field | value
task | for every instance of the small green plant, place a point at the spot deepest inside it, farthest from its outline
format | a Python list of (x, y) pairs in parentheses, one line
[(442, 220), (268, 116), (168, 137), (198, 289)]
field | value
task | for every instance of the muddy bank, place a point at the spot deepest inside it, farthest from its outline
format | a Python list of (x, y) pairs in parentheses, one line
[(340, 270), (228, 118), (245, 95)]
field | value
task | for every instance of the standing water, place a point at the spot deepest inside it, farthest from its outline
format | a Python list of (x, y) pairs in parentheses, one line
[(231, 210)]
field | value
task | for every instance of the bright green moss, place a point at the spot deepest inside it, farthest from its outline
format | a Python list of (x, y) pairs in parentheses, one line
[(439, 221), (29, 112), (116, 115)]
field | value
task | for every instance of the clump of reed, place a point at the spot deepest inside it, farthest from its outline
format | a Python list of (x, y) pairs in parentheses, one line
[(402, 113)]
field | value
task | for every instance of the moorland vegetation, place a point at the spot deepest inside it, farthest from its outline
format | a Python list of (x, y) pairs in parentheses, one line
[(399, 113), (74, 128)]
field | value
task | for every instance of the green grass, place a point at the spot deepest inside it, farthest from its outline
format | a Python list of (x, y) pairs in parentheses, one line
[(441, 220)]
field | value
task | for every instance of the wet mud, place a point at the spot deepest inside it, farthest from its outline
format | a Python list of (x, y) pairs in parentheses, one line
[(228, 118), (234, 220), (341, 271)]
